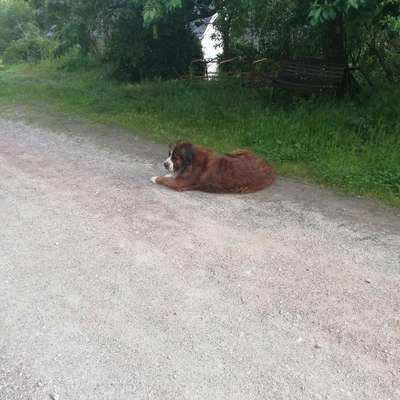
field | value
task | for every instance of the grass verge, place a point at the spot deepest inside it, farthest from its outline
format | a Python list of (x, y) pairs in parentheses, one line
[(353, 145)]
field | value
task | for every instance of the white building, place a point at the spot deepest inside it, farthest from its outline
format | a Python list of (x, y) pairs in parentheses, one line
[(211, 42)]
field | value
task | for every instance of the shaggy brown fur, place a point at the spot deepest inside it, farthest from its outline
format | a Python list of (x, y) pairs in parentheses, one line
[(198, 168)]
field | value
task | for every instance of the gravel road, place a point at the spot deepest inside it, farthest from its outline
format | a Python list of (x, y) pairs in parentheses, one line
[(114, 288)]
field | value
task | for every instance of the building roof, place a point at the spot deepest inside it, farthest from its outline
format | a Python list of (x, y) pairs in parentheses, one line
[(199, 26)]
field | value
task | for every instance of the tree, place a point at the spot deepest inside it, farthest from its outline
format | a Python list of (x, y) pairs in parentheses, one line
[(15, 15), (33, 46), (364, 32), (274, 28), (140, 38), (152, 37), (139, 49), (371, 29)]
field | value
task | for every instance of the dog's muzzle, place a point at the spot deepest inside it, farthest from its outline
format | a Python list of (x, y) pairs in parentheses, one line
[(169, 165)]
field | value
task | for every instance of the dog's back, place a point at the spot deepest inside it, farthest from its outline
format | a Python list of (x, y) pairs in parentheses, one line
[(240, 171)]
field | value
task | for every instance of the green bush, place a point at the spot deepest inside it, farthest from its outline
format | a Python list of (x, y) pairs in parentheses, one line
[(31, 47), (14, 17), (138, 52), (73, 60)]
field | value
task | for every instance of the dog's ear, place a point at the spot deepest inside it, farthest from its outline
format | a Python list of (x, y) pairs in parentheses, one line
[(188, 154)]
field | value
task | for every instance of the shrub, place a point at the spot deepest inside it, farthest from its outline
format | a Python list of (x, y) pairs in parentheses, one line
[(73, 60), (14, 17), (138, 51), (31, 47)]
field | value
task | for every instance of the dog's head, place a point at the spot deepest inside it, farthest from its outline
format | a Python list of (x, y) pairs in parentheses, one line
[(181, 155)]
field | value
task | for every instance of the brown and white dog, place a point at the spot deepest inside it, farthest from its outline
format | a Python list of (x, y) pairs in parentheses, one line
[(193, 167)]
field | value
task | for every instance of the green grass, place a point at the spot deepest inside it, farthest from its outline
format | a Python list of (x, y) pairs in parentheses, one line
[(353, 145)]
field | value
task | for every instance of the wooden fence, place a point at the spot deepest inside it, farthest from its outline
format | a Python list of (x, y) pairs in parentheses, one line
[(238, 67)]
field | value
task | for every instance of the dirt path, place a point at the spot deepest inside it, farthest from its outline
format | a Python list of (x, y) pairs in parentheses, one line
[(114, 288)]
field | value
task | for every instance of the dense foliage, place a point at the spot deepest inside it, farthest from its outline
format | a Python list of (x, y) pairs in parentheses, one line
[(365, 33), (140, 39), (152, 38), (139, 50), (32, 46), (14, 18)]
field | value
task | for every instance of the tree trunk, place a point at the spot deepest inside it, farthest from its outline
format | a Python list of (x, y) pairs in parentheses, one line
[(334, 50), (333, 46)]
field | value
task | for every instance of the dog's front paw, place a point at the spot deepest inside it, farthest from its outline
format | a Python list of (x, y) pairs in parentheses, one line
[(153, 179)]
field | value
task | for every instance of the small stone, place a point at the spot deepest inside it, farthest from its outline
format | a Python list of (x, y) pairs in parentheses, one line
[(317, 346), (367, 280)]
